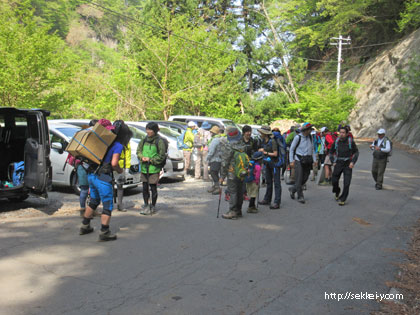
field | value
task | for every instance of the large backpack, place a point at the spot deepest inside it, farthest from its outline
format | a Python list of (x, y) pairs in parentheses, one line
[(281, 151), (383, 145), (161, 165), (180, 141), (241, 162), (250, 177), (199, 139)]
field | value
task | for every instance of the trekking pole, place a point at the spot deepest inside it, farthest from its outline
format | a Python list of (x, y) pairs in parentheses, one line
[(258, 191), (220, 199), (148, 184), (114, 191)]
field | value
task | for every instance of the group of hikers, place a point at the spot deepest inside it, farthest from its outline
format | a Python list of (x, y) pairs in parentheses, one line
[(235, 157)]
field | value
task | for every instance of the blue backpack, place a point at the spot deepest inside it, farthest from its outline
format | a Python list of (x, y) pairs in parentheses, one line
[(180, 141), (18, 173), (250, 177)]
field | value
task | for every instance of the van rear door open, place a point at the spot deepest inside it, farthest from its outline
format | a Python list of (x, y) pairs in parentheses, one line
[(37, 154)]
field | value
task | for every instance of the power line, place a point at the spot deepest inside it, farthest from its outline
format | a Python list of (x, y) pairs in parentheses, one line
[(379, 44)]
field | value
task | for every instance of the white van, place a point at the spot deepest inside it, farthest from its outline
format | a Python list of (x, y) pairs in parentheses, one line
[(219, 122)]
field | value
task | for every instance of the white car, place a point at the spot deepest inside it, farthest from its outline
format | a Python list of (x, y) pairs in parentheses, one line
[(64, 174), (174, 167)]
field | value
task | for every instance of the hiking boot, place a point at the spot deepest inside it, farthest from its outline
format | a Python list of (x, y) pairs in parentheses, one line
[(263, 202), (152, 209), (231, 215), (337, 195), (301, 200), (252, 210), (105, 236), (324, 183), (145, 210), (378, 187), (211, 189), (120, 208), (341, 203), (292, 192), (275, 206), (216, 191), (304, 187), (85, 229), (239, 213)]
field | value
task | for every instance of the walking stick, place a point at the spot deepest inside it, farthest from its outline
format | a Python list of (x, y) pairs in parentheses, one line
[(220, 199)]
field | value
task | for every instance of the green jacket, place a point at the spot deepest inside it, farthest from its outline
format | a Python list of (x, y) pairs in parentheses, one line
[(189, 139), (147, 148), (228, 161), (290, 138)]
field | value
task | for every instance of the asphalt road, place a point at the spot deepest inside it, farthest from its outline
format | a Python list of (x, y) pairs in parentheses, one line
[(185, 261)]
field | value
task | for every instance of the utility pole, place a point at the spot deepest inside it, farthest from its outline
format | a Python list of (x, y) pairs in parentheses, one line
[(341, 41)]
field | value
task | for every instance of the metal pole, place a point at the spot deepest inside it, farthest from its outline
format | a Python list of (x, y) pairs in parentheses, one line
[(339, 60)]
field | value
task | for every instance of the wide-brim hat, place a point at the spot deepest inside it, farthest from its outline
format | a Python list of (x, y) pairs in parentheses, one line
[(215, 130), (257, 155), (206, 125), (233, 134), (266, 130)]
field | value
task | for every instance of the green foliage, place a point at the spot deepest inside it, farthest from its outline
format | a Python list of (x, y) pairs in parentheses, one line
[(34, 65), (322, 104), (410, 18), (410, 77)]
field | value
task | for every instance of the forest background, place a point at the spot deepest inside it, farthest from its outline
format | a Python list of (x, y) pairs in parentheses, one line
[(250, 61)]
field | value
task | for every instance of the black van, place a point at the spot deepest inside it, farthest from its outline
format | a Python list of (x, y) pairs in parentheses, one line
[(24, 137)]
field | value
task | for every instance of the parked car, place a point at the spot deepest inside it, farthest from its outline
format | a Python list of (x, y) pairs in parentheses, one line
[(64, 174), (220, 122), (174, 167), (177, 126), (24, 137)]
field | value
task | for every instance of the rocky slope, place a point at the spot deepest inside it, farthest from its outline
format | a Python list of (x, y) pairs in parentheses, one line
[(381, 101)]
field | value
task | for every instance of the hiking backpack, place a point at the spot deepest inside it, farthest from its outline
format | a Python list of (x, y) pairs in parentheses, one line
[(199, 140), (281, 151), (180, 141), (383, 145), (241, 162), (250, 177), (160, 165)]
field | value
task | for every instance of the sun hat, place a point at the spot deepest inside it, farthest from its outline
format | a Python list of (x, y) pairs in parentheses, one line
[(215, 130), (206, 125), (381, 131), (266, 130), (257, 155), (191, 124), (306, 126), (233, 134)]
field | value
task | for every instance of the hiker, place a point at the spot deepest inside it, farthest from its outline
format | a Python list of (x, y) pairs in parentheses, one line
[(100, 185), (281, 141), (302, 158), (253, 180), (291, 136), (125, 163), (381, 149), (327, 141), (201, 138), (344, 154), (234, 162), (250, 143), (152, 155), (214, 159), (188, 145), (316, 142), (272, 175)]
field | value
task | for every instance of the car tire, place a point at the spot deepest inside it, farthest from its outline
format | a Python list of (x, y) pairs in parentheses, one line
[(75, 183), (19, 199)]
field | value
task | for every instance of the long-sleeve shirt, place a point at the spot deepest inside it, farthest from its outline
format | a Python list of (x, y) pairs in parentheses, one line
[(305, 147), (189, 139), (386, 147), (215, 150)]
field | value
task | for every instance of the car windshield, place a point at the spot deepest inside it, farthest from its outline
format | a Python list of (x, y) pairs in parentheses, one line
[(169, 132), (137, 133), (68, 132)]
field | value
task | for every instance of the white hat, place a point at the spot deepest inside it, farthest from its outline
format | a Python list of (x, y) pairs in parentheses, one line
[(381, 131), (313, 132), (323, 129), (191, 124)]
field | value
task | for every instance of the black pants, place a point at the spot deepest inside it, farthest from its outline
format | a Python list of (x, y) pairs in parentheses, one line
[(272, 176), (339, 168), (214, 172), (302, 172), (146, 193)]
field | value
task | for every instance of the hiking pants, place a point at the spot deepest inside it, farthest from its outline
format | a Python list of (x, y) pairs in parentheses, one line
[(235, 186), (272, 175), (214, 173), (339, 168), (302, 172), (378, 170), (201, 156), (187, 160)]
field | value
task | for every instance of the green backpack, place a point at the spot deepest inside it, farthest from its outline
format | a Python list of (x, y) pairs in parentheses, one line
[(241, 162)]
